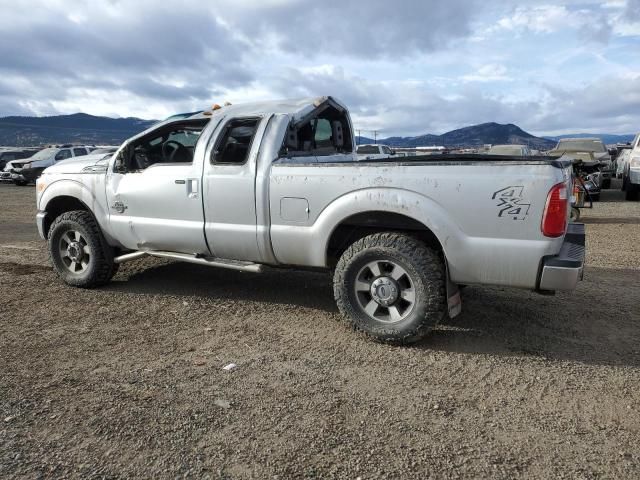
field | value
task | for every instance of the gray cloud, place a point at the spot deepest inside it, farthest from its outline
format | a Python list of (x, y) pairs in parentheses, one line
[(371, 29), (130, 55)]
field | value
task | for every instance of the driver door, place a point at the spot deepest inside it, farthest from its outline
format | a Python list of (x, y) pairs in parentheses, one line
[(155, 203)]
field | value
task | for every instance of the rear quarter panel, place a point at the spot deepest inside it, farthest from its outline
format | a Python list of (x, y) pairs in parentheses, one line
[(486, 216)]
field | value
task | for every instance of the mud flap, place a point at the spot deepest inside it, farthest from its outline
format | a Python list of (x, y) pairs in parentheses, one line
[(454, 300)]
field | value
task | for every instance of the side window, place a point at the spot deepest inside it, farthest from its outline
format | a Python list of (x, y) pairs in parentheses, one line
[(169, 145), (63, 155), (386, 150), (78, 152), (234, 143)]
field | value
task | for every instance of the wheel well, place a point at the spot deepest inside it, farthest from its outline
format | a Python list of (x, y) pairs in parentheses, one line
[(362, 224), (59, 205)]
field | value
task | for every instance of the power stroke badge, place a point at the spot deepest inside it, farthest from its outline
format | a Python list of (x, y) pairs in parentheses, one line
[(511, 203)]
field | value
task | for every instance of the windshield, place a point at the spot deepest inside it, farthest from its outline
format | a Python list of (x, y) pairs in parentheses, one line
[(579, 145), (44, 154)]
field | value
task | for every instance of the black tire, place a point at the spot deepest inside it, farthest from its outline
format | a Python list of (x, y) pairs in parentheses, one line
[(20, 183), (424, 272), (595, 197), (606, 184), (631, 192), (99, 266)]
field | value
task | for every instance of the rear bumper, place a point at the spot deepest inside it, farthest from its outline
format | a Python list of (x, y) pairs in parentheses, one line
[(564, 271)]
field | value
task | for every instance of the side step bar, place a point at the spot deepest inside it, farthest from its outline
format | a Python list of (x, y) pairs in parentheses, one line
[(184, 257)]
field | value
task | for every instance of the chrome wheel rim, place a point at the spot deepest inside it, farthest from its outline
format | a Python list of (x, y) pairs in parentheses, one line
[(75, 252), (385, 291)]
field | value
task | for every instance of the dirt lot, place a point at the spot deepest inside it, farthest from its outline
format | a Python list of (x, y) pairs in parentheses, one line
[(127, 380)]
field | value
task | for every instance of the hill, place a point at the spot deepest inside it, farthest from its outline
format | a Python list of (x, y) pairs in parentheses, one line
[(76, 128), (475, 135)]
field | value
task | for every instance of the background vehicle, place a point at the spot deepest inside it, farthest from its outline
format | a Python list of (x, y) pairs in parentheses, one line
[(631, 172), (103, 150), (510, 150), (622, 158), (24, 172), (371, 152), (590, 151), (280, 184), (9, 154)]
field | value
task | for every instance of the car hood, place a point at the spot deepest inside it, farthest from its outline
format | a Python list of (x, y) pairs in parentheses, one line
[(85, 164)]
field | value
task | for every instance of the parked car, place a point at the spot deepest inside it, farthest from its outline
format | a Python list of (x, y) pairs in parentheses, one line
[(631, 172), (9, 154), (510, 150), (624, 152), (371, 152), (280, 184), (26, 171), (590, 151), (103, 150)]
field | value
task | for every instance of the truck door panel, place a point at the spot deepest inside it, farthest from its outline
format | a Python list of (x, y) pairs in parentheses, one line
[(229, 186), (159, 206)]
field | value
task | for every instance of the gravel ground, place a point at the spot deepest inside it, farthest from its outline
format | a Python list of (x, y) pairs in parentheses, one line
[(127, 380)]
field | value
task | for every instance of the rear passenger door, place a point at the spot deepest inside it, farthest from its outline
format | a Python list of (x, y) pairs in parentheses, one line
[(229, 186)]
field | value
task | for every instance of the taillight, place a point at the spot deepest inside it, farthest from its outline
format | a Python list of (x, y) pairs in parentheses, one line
[(554, 218)]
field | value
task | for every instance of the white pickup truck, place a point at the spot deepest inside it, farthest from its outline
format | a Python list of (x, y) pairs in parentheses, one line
[(278, 184)]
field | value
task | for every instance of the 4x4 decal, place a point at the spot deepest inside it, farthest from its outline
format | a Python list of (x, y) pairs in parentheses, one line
[(511, 203)]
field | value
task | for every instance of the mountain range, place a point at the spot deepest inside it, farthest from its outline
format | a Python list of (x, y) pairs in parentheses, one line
[(77, 128), (88, 129), (473, 136)]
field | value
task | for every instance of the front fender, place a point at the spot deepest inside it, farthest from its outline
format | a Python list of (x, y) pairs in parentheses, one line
[(308, 245), (90, 197)]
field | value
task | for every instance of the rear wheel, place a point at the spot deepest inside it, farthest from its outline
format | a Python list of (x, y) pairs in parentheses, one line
[(391, 286), (79, 253), (20, 183)]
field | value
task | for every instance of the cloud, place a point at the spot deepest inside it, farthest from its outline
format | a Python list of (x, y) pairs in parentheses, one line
[(352, 28), (403, 67)]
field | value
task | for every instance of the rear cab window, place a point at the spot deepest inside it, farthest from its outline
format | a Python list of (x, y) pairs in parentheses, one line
[(325, 132)]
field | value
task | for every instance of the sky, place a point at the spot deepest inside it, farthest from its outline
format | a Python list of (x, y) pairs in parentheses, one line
[(404, 67)]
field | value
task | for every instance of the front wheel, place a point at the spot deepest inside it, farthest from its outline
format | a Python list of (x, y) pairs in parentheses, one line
[(80, 255), (391, 286), (606, 184), (20, 183)]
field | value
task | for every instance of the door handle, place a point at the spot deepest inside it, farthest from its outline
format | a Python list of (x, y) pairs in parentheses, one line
[(180, 182), (192, 188)]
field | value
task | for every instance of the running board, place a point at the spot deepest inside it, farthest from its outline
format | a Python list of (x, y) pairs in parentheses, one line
[(185, 257)]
